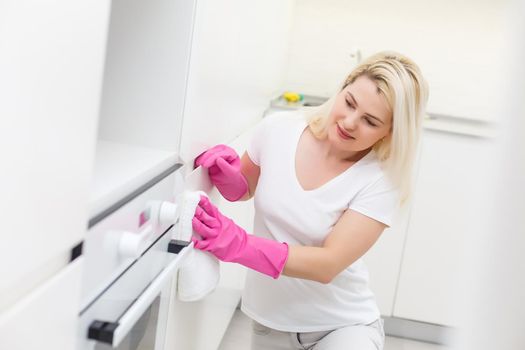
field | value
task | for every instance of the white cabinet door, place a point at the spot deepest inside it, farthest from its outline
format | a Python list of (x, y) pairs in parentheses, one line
[(237, 61), (450, 195), (146, 69), (47, 318), (51, 57)]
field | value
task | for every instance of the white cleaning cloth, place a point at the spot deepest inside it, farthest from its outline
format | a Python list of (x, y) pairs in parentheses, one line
[(200, 273)]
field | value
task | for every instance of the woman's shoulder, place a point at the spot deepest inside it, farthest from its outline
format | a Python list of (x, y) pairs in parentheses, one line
[(272, 132), (373, 170), (284, 118)]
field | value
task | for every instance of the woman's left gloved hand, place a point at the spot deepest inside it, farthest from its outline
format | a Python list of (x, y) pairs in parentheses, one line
[(224, 169), (229, 242)]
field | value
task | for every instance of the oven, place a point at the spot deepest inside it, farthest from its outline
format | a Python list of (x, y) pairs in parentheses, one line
[(130, 261)]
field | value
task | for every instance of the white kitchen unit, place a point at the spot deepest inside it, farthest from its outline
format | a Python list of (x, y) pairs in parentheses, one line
[(162, 106), (51, 62), (131, 258), (145, 76), (108, 93), (129, 254), (451, 193), (46, 317), (141, 111)]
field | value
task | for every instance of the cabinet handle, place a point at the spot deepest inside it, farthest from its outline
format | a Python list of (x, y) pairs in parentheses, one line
[(175, 246), (114, 332), (459, 126)]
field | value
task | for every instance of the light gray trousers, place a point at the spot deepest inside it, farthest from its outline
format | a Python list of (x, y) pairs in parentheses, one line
[(359, 337)]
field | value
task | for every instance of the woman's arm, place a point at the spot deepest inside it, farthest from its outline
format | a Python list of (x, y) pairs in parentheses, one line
[(350, 239), (251, 172)]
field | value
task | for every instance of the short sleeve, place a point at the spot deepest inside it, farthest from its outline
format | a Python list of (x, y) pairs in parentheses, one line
[(379, 201), (260, 138)]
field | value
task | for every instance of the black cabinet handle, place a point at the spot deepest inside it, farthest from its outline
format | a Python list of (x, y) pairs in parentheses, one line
[(175, 246), (102, 331)]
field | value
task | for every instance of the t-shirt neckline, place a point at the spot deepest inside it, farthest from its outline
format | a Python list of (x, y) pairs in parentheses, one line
[(301, 129)]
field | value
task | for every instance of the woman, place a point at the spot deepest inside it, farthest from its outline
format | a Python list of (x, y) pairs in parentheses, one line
[(326, 184)]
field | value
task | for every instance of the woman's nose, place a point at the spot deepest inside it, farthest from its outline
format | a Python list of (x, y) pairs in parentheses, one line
[(350, 121)]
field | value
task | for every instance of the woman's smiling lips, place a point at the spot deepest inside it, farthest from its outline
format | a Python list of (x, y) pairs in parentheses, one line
[(343, 134)]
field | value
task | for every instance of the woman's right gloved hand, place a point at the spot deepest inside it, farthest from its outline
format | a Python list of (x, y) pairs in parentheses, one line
[(222, 237), (224, 169)]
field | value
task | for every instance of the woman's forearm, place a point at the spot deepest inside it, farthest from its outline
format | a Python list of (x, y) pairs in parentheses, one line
[(311, 263)]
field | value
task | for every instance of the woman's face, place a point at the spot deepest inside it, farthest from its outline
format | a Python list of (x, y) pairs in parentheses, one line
[(359, 118)]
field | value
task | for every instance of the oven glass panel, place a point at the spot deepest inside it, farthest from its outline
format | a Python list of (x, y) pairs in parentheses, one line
[(142, 335)]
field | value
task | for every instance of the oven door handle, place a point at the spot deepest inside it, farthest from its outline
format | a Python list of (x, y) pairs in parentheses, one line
[(114, 332)]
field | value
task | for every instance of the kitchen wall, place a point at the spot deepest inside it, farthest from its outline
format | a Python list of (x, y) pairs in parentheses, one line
[(459, 45)]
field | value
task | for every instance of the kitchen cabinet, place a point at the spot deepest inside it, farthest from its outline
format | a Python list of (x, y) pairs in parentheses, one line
[(101, 100), (180, 77), (142, 98), (35, 321), (451, 193), (51, 59)]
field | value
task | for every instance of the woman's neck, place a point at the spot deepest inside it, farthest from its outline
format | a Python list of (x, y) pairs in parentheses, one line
[(336, 155)]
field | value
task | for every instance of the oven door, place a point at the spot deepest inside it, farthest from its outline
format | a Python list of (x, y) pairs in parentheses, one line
[(129, 316)]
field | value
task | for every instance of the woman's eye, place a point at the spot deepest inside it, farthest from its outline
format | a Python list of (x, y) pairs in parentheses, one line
[(349, 104), (370, 122)]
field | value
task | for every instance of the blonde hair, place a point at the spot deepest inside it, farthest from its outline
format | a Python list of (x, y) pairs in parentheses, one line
[(400, 81)]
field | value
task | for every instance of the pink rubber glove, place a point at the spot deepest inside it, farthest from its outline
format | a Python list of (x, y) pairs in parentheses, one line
[(224, 169), (229, 242)]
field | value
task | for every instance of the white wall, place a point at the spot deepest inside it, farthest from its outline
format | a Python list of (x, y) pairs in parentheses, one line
[(458, 45)]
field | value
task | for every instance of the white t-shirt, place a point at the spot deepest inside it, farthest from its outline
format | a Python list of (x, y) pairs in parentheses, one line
[(284, 211)]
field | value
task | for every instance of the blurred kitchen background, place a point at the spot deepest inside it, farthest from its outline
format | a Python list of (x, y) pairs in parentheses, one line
[(100, 98)]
